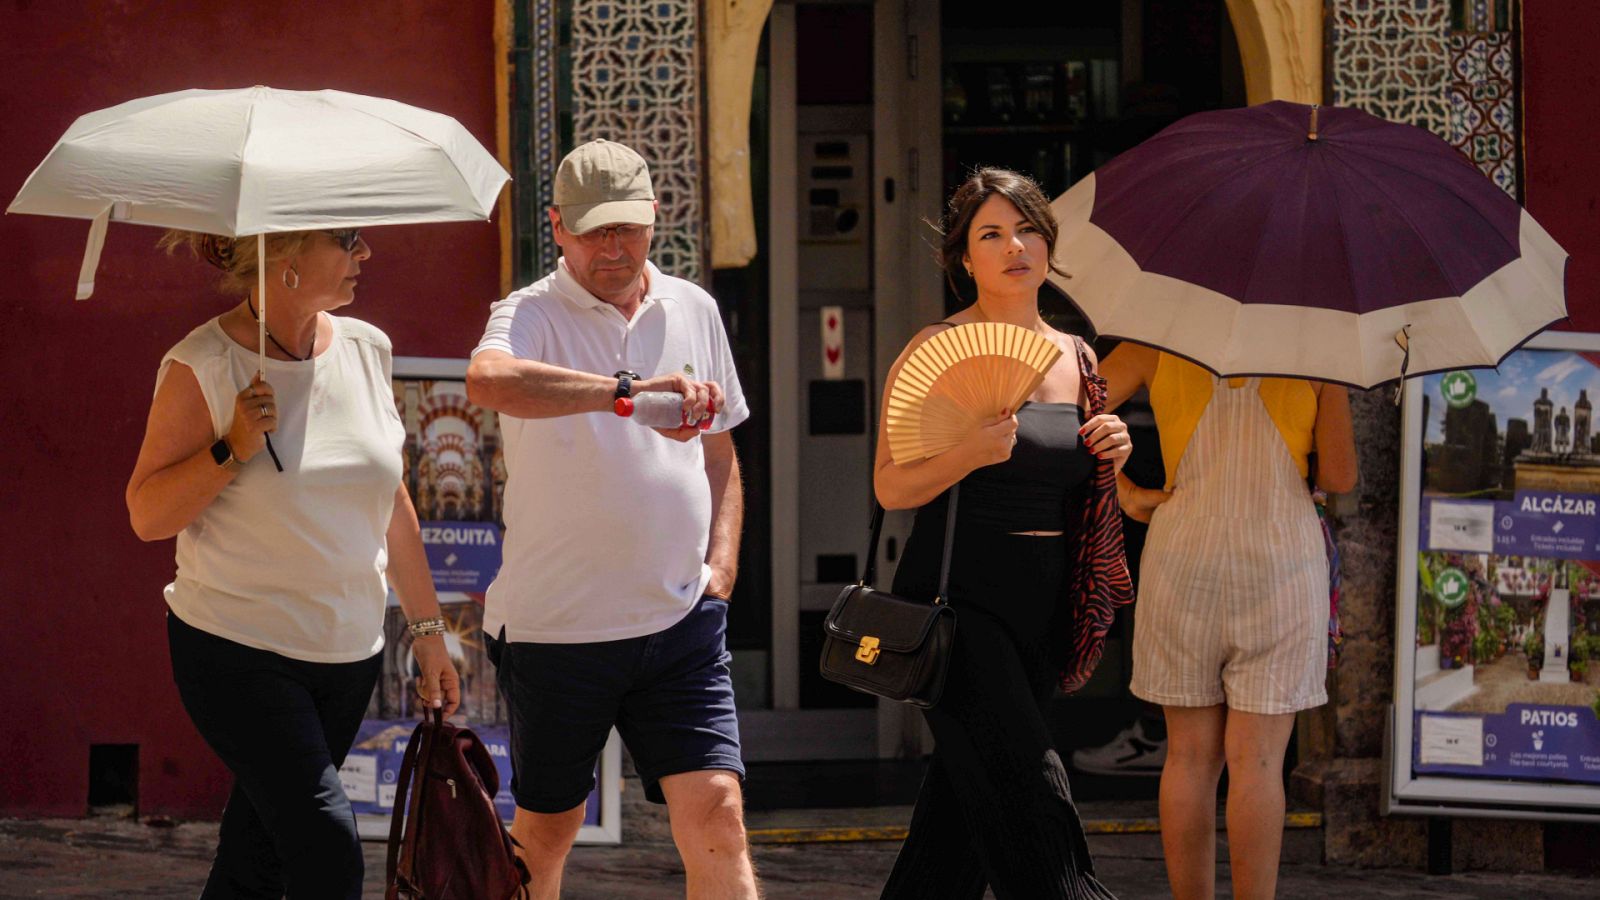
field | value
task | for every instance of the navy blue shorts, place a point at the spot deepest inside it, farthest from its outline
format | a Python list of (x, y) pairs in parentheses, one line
[(669, 694)]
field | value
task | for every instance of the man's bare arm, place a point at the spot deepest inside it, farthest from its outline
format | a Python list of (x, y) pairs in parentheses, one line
[(534, 390), (529, 389), (727, 512)]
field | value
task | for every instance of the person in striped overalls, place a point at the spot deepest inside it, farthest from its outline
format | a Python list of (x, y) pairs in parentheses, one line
[(1230, 628)]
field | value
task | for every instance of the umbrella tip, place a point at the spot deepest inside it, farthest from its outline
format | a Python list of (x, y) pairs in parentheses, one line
[(1312, 134)]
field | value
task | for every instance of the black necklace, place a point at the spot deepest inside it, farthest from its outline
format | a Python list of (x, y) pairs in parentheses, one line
[(286, 351)]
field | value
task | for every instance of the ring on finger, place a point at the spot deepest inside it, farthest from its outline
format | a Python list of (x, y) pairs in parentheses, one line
[(263, 409)]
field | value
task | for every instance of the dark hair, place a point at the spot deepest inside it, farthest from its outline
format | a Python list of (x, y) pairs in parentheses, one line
[(1023, 192)]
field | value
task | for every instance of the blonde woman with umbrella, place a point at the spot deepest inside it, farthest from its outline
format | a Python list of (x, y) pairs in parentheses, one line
[(275, 618), (277, 609)]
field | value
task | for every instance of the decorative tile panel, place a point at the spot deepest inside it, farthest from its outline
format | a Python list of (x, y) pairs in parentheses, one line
[(1391, 58), (1480, 15), (1483, 104), (547, 151), (636, 79)]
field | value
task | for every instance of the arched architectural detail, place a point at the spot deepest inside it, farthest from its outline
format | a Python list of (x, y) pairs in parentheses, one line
[(1280, 45)]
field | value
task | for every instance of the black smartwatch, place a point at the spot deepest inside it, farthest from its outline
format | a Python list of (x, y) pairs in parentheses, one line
[(223, 454), (625, 380)]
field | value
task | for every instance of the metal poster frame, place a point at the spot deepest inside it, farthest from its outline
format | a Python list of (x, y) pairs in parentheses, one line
[(1407, 792), (607, 829)]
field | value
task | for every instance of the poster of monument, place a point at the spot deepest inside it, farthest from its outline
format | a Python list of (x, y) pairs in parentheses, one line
[(454, 469), (1498, 635)]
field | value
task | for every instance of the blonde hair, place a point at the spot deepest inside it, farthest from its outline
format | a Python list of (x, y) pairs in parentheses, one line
[(236, 257)]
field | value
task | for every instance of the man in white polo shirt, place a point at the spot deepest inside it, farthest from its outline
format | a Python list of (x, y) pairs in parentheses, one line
[(622, 541)]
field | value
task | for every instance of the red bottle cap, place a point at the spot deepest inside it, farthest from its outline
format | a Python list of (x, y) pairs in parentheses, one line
[(623, 407)]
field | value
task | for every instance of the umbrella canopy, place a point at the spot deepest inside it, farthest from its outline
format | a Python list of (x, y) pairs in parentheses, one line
[(1325, 243), (259, 160)]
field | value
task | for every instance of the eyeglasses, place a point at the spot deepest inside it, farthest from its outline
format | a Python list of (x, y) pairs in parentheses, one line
[(346, 238), (625, 233)]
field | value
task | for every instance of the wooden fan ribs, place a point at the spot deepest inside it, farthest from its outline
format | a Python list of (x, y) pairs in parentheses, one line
[(960, 378)]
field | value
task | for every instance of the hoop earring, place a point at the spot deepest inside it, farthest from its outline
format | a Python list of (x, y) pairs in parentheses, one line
[(291, 285)]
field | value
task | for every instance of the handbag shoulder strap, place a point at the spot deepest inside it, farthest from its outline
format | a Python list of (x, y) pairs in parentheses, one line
[(949, 539), (869, 574)]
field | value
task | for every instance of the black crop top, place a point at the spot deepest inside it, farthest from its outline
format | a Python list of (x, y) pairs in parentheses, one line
[(1027, 492)]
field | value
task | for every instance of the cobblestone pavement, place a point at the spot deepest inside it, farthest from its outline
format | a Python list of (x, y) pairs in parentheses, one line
[(121, 858)]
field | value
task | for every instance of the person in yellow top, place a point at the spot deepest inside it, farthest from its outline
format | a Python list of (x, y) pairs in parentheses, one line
[(1230, 632)]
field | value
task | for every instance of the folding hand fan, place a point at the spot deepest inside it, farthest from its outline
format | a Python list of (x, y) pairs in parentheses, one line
[(960, 378)]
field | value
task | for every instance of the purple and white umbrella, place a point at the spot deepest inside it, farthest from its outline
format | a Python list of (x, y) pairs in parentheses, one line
[(1313, 242)]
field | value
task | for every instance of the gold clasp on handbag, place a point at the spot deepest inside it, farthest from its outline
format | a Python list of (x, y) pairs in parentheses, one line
[(868, 651)]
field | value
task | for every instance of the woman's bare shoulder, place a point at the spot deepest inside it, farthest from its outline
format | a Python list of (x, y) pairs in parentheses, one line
[(925, 332), (1069, 342)]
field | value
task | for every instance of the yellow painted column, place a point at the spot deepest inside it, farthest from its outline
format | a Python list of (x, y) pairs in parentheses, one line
[(733, 36), (1280, 43)]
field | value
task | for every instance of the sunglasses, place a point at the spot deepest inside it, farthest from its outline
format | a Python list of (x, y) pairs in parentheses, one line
[(626, 233), (346, 238)]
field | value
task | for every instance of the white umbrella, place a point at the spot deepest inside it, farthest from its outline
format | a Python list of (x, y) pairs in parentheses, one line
[(258, 161)]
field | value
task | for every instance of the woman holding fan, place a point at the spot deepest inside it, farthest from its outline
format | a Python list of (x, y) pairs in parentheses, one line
[(1035, 520)]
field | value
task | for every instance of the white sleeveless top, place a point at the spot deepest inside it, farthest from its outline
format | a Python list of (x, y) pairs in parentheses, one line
[(293, 562)]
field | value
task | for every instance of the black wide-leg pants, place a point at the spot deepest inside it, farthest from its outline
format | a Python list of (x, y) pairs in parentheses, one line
[(995, 809)]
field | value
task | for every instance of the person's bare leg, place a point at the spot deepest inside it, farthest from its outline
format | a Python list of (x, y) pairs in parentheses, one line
[(707, 812), (546, 839), (1255, 746), (1189, 799)]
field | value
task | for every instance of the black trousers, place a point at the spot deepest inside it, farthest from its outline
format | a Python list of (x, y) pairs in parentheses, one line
[(995, 809), (283, 727)]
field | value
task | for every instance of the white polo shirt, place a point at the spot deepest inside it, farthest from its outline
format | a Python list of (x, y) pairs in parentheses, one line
[(607, 522)]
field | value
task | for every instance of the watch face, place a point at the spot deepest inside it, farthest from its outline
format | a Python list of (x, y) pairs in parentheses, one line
[(221, 452)]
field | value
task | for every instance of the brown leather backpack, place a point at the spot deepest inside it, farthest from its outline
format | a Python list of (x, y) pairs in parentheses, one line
[(454, 844)]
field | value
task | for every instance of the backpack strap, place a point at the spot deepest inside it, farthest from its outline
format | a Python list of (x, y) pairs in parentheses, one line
[(404, 799)]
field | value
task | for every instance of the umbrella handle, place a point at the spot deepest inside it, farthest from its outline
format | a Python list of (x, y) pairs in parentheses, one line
[(261, 327), (1403, 339), (261, 301)]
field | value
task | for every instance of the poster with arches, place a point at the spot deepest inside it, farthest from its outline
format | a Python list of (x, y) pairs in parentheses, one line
[(454, 469)]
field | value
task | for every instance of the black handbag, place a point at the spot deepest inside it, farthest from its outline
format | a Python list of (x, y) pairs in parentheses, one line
[(881, 644)]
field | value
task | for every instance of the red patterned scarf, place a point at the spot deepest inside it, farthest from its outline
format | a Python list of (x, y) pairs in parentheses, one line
[(1099, 581)]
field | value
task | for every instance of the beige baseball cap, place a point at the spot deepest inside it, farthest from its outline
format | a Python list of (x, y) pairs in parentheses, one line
[(604, 183)]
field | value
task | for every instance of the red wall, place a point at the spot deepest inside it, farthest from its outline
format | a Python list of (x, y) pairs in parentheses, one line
[(81, 630), (1561, 84)]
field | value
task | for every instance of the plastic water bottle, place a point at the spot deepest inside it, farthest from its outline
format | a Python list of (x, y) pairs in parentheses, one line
[(660, 409)]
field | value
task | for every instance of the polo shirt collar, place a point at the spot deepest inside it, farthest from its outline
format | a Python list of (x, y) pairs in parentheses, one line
[(580, 296)]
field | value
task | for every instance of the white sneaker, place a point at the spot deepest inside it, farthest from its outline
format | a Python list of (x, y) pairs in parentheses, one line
[(1129, 753)]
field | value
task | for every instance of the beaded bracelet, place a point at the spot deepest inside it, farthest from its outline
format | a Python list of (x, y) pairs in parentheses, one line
[(425, 627)]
